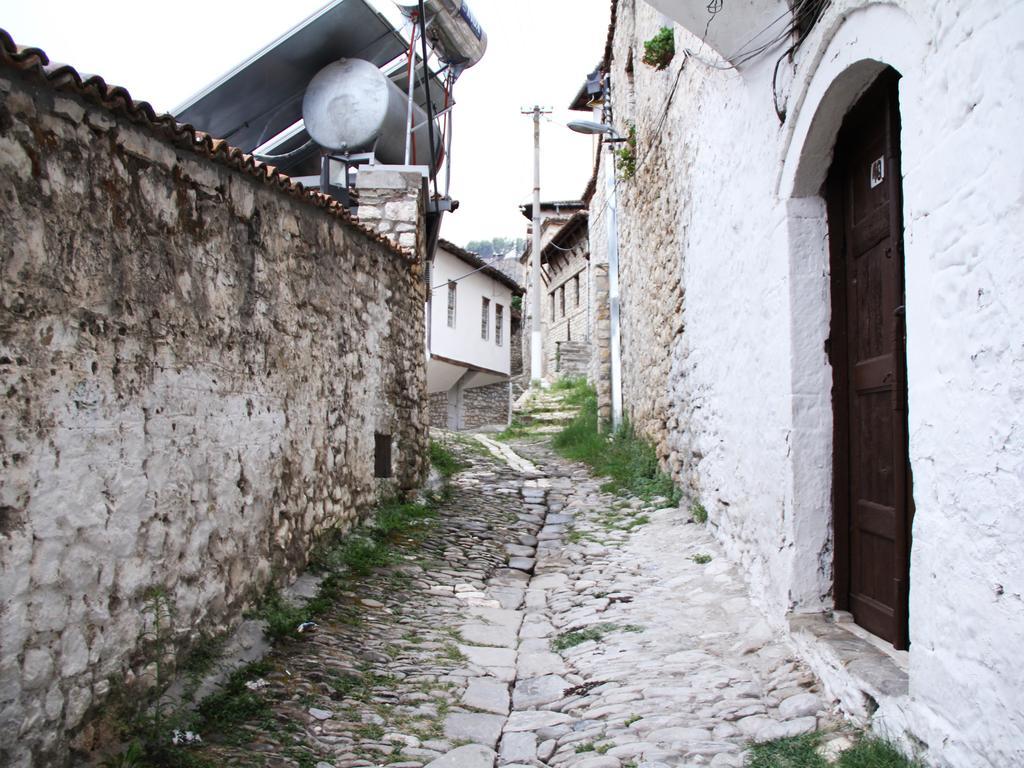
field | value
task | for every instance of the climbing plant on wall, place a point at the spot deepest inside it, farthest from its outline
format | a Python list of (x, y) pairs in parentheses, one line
[(626, 156), (659, 50)]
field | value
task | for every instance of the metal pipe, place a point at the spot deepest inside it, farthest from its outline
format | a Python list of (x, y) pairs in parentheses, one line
[(613, 292), (426, 90), (448, 153), (536, 340), (412, 88)]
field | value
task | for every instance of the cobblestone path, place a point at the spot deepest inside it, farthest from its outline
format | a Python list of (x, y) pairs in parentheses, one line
[(539, 622)]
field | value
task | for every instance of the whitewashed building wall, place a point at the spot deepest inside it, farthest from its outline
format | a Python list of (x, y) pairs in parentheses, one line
[(723, 243)]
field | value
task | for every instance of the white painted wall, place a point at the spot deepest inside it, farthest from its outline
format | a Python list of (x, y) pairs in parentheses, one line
[(749, 394), (463, 342)]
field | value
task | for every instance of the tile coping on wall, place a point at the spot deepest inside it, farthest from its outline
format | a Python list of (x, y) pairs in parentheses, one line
[(33, 63)]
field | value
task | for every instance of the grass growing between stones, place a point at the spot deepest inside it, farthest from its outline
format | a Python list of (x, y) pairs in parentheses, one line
[(802, 752), (444, 461), (595, 632), (517, 429), (626, 459), (875, 753), (146, 723), (698, 513)]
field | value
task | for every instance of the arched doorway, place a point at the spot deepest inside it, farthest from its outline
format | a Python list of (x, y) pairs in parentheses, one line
[(872, 501)]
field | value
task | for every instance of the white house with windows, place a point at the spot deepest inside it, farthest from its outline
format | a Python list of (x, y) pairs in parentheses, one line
[(469, 339)]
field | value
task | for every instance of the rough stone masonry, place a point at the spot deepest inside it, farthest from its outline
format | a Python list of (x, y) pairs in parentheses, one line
[(195, 358)]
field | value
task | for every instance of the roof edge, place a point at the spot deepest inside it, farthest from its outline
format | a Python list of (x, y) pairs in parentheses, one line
[(483, 266), (33, 64)]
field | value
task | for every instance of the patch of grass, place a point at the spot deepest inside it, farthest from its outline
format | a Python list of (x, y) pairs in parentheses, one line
[(348, 685), (362, 551), (281, 616), (701, 558), (517, 429), (303, 757), (445, 461), (796, 752), (586, 746), (575, 391), (578, 637), (871, 752), (567, 384), (627, 460), (234, 703), (698, 513), (452, 652), (370, 731), (595, 632), (632, 719)]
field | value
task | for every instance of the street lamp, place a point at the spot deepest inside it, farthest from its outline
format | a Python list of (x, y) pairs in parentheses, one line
[(609, 135), (591, 128)]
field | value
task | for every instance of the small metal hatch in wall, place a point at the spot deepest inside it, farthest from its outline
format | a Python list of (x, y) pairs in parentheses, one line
[(381, 455)]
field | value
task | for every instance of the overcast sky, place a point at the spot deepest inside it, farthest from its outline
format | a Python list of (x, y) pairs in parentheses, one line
[(539, 52)]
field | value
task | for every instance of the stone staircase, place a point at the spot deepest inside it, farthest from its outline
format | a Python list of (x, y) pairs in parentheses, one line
[(544, 411)]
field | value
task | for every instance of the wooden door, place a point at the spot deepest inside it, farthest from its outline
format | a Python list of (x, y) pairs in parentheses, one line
[(871, 467)]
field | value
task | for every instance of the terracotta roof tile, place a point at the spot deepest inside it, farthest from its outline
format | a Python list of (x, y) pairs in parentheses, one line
[(34, 64)]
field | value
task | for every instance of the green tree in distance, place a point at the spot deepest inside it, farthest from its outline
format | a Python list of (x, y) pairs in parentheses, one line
[(496, 246)]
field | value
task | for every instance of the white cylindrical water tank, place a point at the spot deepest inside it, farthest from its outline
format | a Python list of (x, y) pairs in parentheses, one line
[(457, 37), (350, 106)]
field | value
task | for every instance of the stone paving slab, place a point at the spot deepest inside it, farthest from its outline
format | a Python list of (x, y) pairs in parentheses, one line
[(541, 622)]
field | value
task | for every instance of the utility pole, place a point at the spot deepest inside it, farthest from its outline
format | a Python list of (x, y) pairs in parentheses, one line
[(536, 340)]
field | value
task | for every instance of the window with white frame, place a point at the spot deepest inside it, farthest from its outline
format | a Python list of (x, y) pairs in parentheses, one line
[(485, 319), (451, 304), (576, 288), (499, 320)]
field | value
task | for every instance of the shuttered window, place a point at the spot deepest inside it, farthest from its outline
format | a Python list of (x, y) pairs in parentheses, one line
[(499, 322), (451, 305), (485, 319)]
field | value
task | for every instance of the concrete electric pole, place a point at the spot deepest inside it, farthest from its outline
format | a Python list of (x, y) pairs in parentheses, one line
[(536, 341)]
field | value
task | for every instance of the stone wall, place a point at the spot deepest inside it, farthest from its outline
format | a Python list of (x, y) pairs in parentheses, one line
[(651, 229), (725, 303), (195, 360), (599, 371), (516, 340), (569, 279), (438, 409), (573, 358), (486, 406)]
